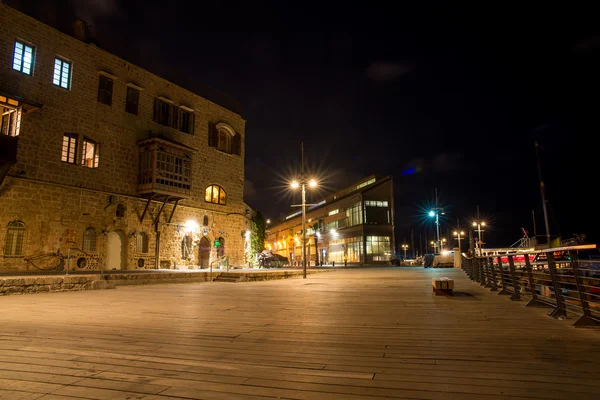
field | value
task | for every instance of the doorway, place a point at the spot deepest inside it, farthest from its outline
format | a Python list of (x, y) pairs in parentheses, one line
[(115, 253), (204, 252)]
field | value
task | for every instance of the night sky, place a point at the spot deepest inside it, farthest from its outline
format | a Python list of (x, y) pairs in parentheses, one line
[(444, 97)]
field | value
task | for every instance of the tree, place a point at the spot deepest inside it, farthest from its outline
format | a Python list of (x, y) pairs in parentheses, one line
[(259, 234), (315, 227)]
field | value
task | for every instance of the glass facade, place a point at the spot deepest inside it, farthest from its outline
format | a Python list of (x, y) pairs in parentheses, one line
[(354, 215), (379, 248)]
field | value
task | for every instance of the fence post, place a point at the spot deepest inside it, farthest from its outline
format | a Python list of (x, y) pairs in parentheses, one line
[(513, 274), (503, 282), (482, 276), (486, 270), (560, 311), (586, 319), (534, 302), (494, 285)]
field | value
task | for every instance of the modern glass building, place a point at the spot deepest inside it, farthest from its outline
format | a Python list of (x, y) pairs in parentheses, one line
[(355, 225)]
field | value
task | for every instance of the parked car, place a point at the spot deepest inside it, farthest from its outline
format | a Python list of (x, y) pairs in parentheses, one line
[(267, 259)]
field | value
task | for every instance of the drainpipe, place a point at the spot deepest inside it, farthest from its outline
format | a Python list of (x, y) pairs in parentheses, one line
[(157, 248)]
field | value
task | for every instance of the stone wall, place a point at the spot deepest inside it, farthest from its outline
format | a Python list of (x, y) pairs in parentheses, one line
[(57, 201)]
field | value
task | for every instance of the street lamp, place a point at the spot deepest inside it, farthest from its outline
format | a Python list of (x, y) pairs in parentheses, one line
[(433, 246), (479, 224), (459, 235), (404, 247), (436, 213), (295, 184), (443, 243)]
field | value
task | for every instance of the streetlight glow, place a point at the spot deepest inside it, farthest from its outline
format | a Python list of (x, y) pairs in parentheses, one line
[(456, 233), (295, 185), (483, 224), (431, 214), (312, 183)]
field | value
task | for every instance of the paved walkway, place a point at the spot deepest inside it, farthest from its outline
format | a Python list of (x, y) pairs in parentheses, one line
[(350, 334)]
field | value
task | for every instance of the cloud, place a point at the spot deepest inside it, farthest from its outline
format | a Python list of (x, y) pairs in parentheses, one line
[(387, 71)]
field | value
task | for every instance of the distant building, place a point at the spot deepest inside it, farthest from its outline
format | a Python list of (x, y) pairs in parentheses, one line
[(355, 225), (101, 159)]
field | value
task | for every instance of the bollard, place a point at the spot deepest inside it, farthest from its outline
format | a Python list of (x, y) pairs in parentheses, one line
[(333, 263), (345, 263)]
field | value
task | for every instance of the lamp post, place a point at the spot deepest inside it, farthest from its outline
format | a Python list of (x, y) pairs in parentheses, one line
[(443, 243), (433, 246), (296, 184), (478, 225), (458, 236), (436, 213), (405, 247)]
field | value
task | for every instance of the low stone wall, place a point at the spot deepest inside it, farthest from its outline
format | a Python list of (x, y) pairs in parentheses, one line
[(269, 275), (41, 284), (123, 279)]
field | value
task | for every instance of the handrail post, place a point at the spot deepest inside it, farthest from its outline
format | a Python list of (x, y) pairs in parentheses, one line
[(560, 311), (482, 271), (488, 281), (586, 319), (503, 291), (494, 287), (513, 274), (534, 302)]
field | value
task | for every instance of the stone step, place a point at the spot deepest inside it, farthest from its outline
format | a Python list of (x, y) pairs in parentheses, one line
[(227, 277)]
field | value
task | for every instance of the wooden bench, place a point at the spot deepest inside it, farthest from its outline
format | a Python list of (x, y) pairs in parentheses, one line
[(442, 286)]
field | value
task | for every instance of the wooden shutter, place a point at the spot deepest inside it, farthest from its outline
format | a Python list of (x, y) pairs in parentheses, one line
[(213, 135), (156, 109), (236, 144)]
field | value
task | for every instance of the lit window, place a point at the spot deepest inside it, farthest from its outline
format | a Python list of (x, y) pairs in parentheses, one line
[(89, 157), (62, 73), (89, 240), (142, 243), (105, 89), (23, 58), (215, 194), (15, 237), (334, 212), (69, 148), (10, 118), (132, 101), (379, 247)]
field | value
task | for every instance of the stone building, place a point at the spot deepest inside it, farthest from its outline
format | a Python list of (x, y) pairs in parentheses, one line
[(354, 225), (104, 162)]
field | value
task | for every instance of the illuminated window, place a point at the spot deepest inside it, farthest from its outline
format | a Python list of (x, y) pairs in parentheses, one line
[(215, 194), (334, 212), (142, 243), (15, 237), (89, 156), (132, 101), (62, 73), (89, 240), (10, 117), (379, 247), (374, 203), (354, 215), (186, 121), (23, 58), (105, 89), (69, 148)]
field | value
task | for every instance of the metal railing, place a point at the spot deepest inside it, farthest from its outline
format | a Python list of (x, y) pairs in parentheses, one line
[(218, 260), (553, 278)]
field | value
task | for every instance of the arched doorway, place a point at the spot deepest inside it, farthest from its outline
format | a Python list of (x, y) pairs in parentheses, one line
[(115, 250), (204, 252)]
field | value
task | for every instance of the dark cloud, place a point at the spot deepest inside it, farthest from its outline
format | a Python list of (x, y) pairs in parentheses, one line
[(388, 71)]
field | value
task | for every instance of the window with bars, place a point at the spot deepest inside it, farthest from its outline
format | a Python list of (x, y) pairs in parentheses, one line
[(89, 240), (69, 148), (62, 73), (15, 238), (215, 194), (23, 58), (90, 156), (105, 90), (142, 243), (132, 101)]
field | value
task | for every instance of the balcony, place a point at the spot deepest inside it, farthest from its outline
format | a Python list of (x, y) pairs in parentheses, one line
[(165, 169)]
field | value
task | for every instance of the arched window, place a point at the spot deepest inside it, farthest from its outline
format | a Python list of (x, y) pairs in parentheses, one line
[(89, 239), (224, 141), (215, 194), (120, 210), (142, 243), (205, 220), (15, 237), (221, 247)]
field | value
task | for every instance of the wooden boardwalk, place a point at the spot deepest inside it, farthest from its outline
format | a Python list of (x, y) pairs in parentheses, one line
[(348, 334)]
